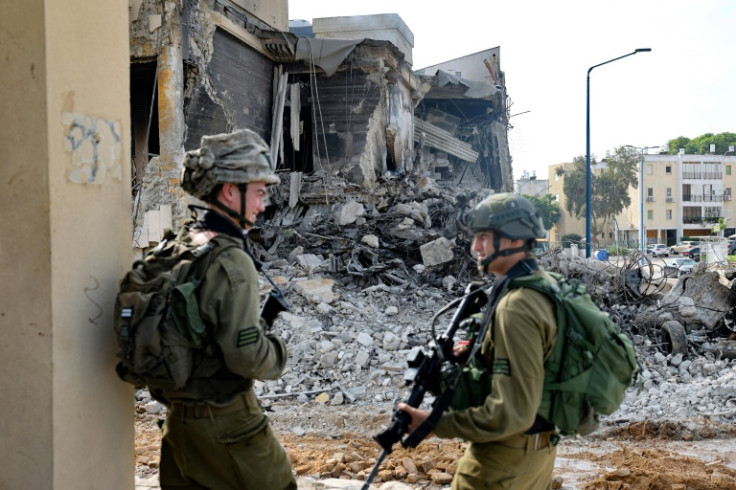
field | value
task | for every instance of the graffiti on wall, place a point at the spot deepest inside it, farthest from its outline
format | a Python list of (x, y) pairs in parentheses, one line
[(95, 147)]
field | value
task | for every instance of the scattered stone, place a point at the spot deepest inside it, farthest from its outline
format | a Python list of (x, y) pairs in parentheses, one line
[(437, 252), (370, 240), (322, 398)]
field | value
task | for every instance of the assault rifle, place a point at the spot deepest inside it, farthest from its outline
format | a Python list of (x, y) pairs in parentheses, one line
[(425, 372)]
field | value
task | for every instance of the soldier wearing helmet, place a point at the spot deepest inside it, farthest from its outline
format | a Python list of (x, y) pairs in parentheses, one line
[(215, 434), (510, 445)]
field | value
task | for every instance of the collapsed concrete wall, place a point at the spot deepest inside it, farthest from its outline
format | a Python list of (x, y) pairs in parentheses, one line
[(329, 107)]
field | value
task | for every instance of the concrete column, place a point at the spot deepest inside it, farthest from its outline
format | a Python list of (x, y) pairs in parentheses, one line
[(67, 421)]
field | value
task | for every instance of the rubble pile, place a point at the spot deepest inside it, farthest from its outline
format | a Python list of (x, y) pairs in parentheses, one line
[(366, 272), (406, 230), (364, 285)]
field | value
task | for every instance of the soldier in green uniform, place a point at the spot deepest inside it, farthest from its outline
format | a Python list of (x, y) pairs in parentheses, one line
[(511, 447), (215, 435)]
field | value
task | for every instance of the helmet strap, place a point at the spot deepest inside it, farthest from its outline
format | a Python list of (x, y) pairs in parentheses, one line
[(242, 220), (501, 253)]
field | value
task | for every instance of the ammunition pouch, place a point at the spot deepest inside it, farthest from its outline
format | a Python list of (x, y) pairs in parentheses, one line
[(473, 385)]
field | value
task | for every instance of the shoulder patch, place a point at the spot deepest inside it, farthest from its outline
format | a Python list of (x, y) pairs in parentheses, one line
[(502, 367), (247, 336)]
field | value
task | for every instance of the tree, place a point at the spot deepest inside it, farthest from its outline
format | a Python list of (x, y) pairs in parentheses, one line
[(613, 182), (548, 208), (609, 186), (701, 144)]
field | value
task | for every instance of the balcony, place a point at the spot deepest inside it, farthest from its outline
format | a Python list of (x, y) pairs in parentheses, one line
[(706, 220), (702, 175), (704, 198)]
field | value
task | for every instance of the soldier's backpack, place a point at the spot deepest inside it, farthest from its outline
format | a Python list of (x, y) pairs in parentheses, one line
[(592, 363), (157, 321)]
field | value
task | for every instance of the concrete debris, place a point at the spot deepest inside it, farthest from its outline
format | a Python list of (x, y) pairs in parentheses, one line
[(353, 327), (437, 252)]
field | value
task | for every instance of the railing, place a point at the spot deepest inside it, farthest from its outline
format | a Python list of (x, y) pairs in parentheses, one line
[(704, 198), (700, 219), (702, 175), (650, 198), (669, 199)]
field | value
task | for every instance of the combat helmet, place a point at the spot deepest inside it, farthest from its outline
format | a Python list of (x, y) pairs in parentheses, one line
[(235, 158), (509, 214), (238, 158)]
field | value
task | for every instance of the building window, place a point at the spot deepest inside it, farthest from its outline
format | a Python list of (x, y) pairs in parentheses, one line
[(668, 169), (728, 169), (669, 214), (650, 215), (650, 169), (727, 194), (650, 194)]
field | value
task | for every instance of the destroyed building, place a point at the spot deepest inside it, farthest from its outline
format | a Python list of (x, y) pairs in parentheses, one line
[(347, 118)]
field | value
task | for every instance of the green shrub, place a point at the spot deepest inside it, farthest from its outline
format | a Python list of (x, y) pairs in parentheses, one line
[(614, 250), (571, 238)]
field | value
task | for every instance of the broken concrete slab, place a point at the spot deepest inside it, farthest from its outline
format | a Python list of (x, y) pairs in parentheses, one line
[(317, 290), (437, 252), (349, 213)]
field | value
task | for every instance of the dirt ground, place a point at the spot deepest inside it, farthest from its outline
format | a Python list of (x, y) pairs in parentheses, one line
[(326, 442)]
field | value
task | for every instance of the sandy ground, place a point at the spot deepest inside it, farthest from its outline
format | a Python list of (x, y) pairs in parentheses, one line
[(325, 442)]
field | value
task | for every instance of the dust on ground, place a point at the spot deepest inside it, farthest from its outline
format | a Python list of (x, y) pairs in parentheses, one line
[(326, 442)]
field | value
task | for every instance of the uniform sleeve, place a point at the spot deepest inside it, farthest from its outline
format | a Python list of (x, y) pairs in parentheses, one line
[(525, 331), (230, 301)]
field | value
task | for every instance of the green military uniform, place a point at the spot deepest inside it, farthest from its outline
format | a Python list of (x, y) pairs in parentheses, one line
[(501, 454), (215, 435)]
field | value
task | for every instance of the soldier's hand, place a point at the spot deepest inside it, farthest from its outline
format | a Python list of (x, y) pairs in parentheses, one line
[(417, 417), (461, 351)]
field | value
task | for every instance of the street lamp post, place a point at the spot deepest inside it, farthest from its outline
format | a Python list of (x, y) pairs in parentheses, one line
[(587, 145), (642, 237)]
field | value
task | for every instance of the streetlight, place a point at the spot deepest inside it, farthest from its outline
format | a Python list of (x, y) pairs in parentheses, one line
[(587, 145), (643, 150)]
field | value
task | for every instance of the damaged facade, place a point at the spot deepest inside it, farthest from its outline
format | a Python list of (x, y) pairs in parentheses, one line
[(346, 117)]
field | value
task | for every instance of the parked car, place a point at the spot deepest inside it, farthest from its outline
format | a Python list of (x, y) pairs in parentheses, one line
[(659, 249), (649, 248), (682, 246), (732, 247), (693, 253), (679, 266)]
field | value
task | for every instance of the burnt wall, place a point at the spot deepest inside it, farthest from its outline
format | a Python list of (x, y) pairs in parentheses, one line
[(343, 105), (233, 92)]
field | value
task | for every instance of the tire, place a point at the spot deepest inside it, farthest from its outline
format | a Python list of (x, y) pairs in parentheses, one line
[(674, 337)]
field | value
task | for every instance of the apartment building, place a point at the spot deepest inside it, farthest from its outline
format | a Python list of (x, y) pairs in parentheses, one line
[(683, 195), (530, 185), (567, 223), (687, 195)]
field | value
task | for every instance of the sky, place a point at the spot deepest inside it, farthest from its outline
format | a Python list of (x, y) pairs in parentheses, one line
[(686, 86)]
